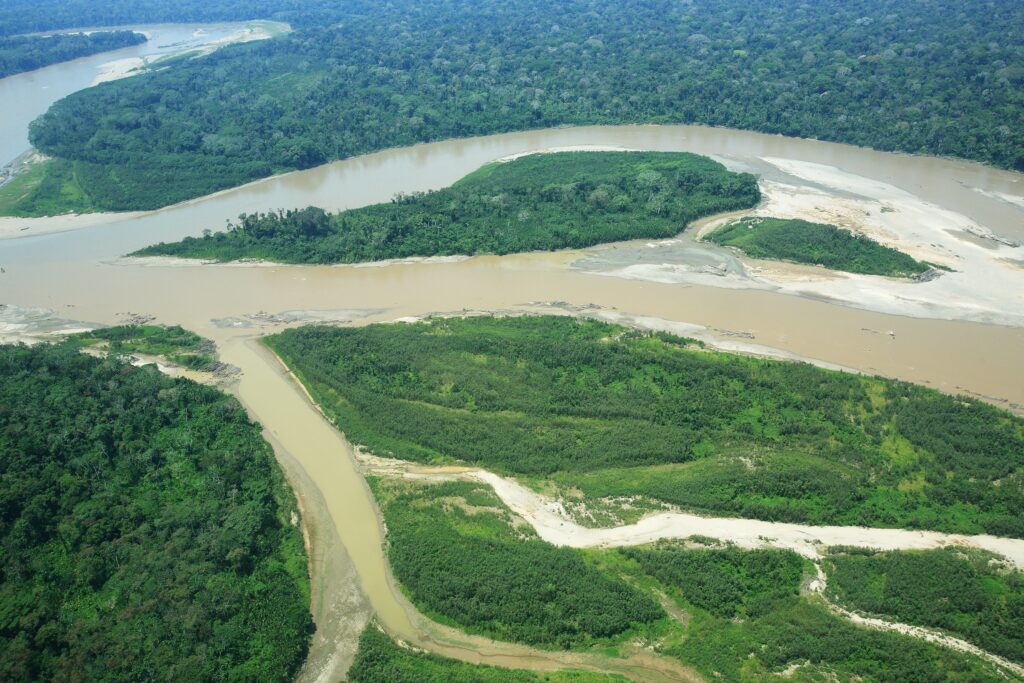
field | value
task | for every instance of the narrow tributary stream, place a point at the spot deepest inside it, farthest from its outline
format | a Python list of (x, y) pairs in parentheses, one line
[(336, 501)]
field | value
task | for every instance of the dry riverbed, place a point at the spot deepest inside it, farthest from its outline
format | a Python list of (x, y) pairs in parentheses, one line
[(553, 523)]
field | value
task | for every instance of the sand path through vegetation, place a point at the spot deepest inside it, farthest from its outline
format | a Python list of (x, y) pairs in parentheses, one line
[(553, 525)]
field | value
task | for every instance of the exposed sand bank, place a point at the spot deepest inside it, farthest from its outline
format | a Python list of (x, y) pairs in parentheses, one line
[(12, 227), (566, 148), (985, 284), (177, 261), (129, 66)]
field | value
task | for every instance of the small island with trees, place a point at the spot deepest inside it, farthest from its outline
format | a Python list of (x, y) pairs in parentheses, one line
[(537, 202), (800, 241)]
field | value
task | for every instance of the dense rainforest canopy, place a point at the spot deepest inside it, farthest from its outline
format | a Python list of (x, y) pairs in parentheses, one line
[(538, 202), (146, 532), (823, 245), (25, 53), (933, 77), (618, 412)]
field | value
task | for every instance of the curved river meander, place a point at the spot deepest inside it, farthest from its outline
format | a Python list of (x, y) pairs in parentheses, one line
[(77, 274)]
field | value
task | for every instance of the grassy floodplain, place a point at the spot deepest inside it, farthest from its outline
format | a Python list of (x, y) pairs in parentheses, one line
[(968, 593), (749, 621), (44, 188), (537, 202), (565, 400), (817, 244), (729, 613)]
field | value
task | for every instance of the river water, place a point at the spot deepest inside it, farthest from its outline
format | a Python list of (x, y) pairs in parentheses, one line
[(79, 275), (25, 96)]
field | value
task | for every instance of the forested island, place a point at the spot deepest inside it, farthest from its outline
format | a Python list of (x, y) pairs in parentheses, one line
[(817, 244), (565, 399), (25, 53), (146, 531), (889, 74), (536, 202)]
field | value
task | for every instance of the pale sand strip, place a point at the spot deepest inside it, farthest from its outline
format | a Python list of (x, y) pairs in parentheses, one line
[(553, 525)]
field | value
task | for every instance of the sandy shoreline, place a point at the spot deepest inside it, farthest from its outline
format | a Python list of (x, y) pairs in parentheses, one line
[(567, 148), (180, 262), (129, 66), (14, 228), (985, 283)]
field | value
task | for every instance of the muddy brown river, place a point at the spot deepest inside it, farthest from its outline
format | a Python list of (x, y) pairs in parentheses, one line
[(79, 275)]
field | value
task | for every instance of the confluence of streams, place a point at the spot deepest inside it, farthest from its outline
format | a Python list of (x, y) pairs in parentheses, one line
[(78, 276)]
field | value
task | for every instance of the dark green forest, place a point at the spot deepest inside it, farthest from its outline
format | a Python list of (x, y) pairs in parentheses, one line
[(145, 530), (173, 342), (923, 77), (538, 202), (823, 245), (968, 593), (381, 660), (25, 53), (568, 399), (454, 551)]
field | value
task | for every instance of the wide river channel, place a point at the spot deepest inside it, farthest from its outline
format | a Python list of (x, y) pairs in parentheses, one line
[(79, 275)]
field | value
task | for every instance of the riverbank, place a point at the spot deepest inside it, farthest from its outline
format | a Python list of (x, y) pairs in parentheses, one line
[(300, 434), (129, 66), (985, 281), (12, 227)]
